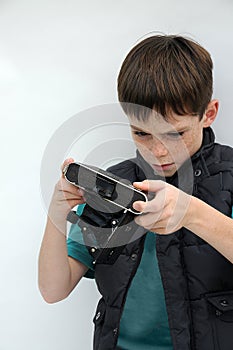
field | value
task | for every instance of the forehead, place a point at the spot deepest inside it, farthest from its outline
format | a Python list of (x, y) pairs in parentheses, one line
[(157, 124)]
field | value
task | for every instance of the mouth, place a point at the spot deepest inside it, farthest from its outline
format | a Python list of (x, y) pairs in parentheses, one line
[(163, 167)]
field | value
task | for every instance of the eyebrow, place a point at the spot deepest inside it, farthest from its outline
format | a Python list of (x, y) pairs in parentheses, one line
[(135, 127), (182, 129)]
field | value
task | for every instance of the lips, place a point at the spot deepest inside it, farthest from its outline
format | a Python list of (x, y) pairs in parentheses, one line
[(163, 167)]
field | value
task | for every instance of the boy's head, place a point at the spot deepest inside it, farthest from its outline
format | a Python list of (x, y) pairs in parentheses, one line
[(167, 73), (165, 88)]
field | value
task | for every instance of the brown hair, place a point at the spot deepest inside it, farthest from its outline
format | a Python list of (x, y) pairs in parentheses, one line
[(166, 73)]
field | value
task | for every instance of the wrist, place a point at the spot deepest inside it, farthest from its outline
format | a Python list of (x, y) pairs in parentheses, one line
[(192, 213), (57, 217)]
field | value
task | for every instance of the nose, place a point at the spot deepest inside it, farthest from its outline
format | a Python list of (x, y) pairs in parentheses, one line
[(158, 148)]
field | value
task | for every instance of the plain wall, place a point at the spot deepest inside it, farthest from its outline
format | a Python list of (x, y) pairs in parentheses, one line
[(59, 58)]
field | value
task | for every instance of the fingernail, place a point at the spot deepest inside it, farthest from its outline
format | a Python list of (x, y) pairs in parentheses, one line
[(136, 206), (137, 184)]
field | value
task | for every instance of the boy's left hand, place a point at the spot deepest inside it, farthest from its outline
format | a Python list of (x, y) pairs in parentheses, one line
[(167, 212)]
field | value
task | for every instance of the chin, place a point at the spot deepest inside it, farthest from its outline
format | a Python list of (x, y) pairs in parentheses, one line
[(165, 173)]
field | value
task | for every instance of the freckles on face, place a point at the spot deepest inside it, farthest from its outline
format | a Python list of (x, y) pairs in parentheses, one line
[(168, 144), (193, 138)]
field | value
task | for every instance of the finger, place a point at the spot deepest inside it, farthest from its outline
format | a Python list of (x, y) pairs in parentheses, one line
[(80, 192), (78, 200), (150, 185), (148, 207), (74, 200), (66, 162), (139, 206), (156, 204), (67, 188), (73, 190), (67, 195)]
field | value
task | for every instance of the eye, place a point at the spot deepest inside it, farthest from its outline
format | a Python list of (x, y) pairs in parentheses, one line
[(141, 133), (175, 135)]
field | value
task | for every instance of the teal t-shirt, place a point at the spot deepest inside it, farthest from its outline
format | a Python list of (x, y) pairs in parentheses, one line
[(144, 323)]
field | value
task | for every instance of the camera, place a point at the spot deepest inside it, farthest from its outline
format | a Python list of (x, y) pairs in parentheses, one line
[(107, 186)]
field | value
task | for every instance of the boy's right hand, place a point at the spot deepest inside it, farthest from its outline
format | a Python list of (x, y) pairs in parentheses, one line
[(65, 197)]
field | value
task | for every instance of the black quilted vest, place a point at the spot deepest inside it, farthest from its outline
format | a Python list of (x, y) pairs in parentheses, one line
[(197, 280)]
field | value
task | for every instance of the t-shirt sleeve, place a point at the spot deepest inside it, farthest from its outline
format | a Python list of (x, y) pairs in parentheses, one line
[(77, 249)]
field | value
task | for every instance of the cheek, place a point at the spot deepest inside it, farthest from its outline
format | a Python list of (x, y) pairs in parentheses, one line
[(141, 144), (193, 142), (187, 147), (144, 151), (177, 153), (180, 151)]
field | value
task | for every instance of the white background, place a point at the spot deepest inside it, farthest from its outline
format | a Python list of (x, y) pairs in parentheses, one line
[(57, 59)]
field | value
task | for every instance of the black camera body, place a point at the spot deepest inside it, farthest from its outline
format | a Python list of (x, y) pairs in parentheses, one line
[(107, 222), (108, 187)]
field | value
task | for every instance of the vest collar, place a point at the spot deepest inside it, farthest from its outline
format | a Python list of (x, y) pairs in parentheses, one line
[(207, 142)]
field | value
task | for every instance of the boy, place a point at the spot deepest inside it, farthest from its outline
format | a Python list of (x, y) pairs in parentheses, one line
[(172, 288)]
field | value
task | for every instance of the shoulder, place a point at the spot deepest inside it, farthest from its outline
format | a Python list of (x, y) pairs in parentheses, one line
[(222, 164), (225, 152), (220, 158)]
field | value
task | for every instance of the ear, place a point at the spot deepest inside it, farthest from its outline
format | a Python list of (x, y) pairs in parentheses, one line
[(210, 113)]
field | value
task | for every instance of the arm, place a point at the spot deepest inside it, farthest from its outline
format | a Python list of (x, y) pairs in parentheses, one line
[(172, 209), (212, 226), (58, 273)]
